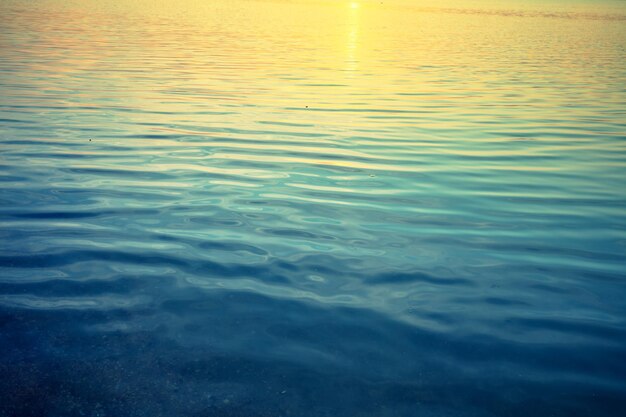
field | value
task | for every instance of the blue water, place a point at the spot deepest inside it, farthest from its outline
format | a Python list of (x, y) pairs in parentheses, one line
[(312, 209)]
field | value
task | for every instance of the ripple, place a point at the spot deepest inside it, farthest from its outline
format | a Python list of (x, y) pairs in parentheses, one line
[(253, 208)]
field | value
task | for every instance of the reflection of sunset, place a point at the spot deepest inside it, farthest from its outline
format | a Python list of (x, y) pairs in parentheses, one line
[(353, 38), (323, 55)]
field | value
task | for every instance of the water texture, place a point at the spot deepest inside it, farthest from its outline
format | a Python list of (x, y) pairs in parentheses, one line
[(312, 209)]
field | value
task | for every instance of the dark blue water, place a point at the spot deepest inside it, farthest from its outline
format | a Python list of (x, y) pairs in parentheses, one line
[(312, 209)]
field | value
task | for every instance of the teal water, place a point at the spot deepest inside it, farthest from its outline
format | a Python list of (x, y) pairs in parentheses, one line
[(255, 208)]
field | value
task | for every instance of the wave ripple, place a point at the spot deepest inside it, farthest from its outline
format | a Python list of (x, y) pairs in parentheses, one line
[(254, 208)]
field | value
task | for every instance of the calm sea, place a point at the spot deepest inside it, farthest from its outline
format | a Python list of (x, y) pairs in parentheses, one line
[(312, 208)]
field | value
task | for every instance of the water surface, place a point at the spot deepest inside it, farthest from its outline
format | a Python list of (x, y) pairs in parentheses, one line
[(312, 208)]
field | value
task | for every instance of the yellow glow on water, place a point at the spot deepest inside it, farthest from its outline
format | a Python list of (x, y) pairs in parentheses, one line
[(337, 67), (353, 38)]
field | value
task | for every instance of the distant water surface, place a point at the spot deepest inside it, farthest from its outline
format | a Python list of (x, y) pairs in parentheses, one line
[(312, 208)]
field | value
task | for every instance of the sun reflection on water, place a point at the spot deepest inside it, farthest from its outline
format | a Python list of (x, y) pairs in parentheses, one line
[(352, 42)]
